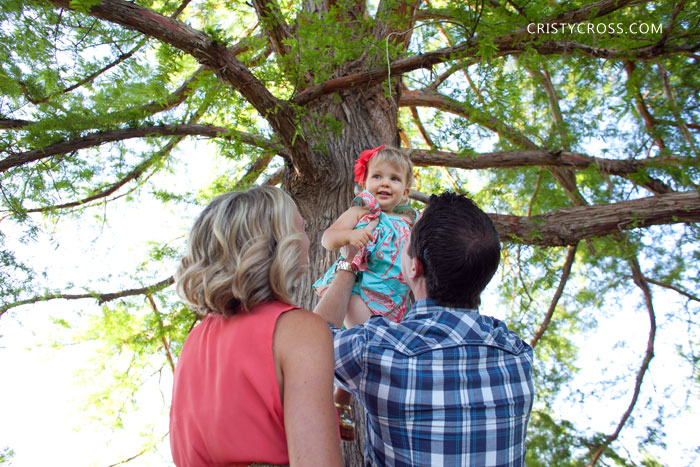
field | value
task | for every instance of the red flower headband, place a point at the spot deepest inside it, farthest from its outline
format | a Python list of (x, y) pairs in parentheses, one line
[(361, 163)]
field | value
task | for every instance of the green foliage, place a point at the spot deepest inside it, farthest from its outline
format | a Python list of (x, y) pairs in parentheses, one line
[(66, 76), (136, 343), (553, 442), (6, 455)]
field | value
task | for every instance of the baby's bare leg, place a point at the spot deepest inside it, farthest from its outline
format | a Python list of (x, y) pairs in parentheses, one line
[(357, 313)]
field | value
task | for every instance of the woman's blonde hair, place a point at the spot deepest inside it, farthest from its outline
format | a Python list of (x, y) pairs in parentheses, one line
[(395, 157), (243, 249)]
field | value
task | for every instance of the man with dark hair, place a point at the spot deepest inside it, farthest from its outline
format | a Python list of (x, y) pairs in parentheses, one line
[(447, 385)]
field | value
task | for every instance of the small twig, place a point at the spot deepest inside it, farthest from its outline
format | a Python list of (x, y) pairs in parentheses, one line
[(674, 288), (145, 450), (166, 345)]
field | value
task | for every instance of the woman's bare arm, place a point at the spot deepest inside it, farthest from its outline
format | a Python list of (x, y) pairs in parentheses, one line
[(303, 349)]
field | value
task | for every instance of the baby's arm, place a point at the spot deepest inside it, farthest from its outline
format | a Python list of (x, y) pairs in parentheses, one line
[(343, 232)]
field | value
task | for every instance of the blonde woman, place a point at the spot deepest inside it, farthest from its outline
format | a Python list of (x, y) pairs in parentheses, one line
[(254, 380)]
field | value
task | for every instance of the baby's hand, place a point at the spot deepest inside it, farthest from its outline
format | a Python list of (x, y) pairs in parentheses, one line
[(361, 237)]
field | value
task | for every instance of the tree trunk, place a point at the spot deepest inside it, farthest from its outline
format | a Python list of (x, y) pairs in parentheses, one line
[(369, 119)]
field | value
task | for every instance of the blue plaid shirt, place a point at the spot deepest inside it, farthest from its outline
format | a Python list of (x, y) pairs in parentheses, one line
[(444, 386)]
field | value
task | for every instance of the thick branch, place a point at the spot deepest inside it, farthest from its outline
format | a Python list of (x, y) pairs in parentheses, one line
[(571, 225), (275, 178), (471, 49), (100, 297), (542, 157), (534, 158), (96, 139), (570, 256)]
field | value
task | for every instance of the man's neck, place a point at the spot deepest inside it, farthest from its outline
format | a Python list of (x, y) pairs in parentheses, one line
[(419, 289)]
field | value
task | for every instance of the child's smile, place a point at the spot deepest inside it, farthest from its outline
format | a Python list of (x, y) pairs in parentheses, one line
[(387, 183)]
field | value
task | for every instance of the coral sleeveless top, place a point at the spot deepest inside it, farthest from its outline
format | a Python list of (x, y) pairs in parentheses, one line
[(226, 406)]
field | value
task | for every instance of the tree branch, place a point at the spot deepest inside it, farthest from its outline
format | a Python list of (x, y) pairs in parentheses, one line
[(219, 58), (543, 157), (144, 451), (663, 73), (176, 98), (91, 77), (273, 22), (570, 256), (565, 177), (134, 174), (396, 19), (571, 225), (511, 44), (642, 109), (677, 8), (11, 123), (429, 97), (672, 287), (471, 49), (121, 58), (99, 138), (275, 178), (166, 345), (641, 283), (254, 170), (100, 297)]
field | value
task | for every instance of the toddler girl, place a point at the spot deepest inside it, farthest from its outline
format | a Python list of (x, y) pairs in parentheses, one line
[(385, 176)]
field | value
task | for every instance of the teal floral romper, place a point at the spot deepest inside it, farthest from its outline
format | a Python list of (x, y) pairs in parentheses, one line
[(379, 282)]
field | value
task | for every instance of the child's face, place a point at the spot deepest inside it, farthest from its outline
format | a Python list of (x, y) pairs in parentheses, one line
[(387, 183)]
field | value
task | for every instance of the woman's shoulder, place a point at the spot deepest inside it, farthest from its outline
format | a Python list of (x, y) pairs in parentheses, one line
[(302, 323), (301, 334)]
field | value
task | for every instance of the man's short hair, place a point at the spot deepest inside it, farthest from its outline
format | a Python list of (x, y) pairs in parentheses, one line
[(459, 248)]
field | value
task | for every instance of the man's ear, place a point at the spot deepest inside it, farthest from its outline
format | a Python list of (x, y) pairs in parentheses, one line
[(415, 269)]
